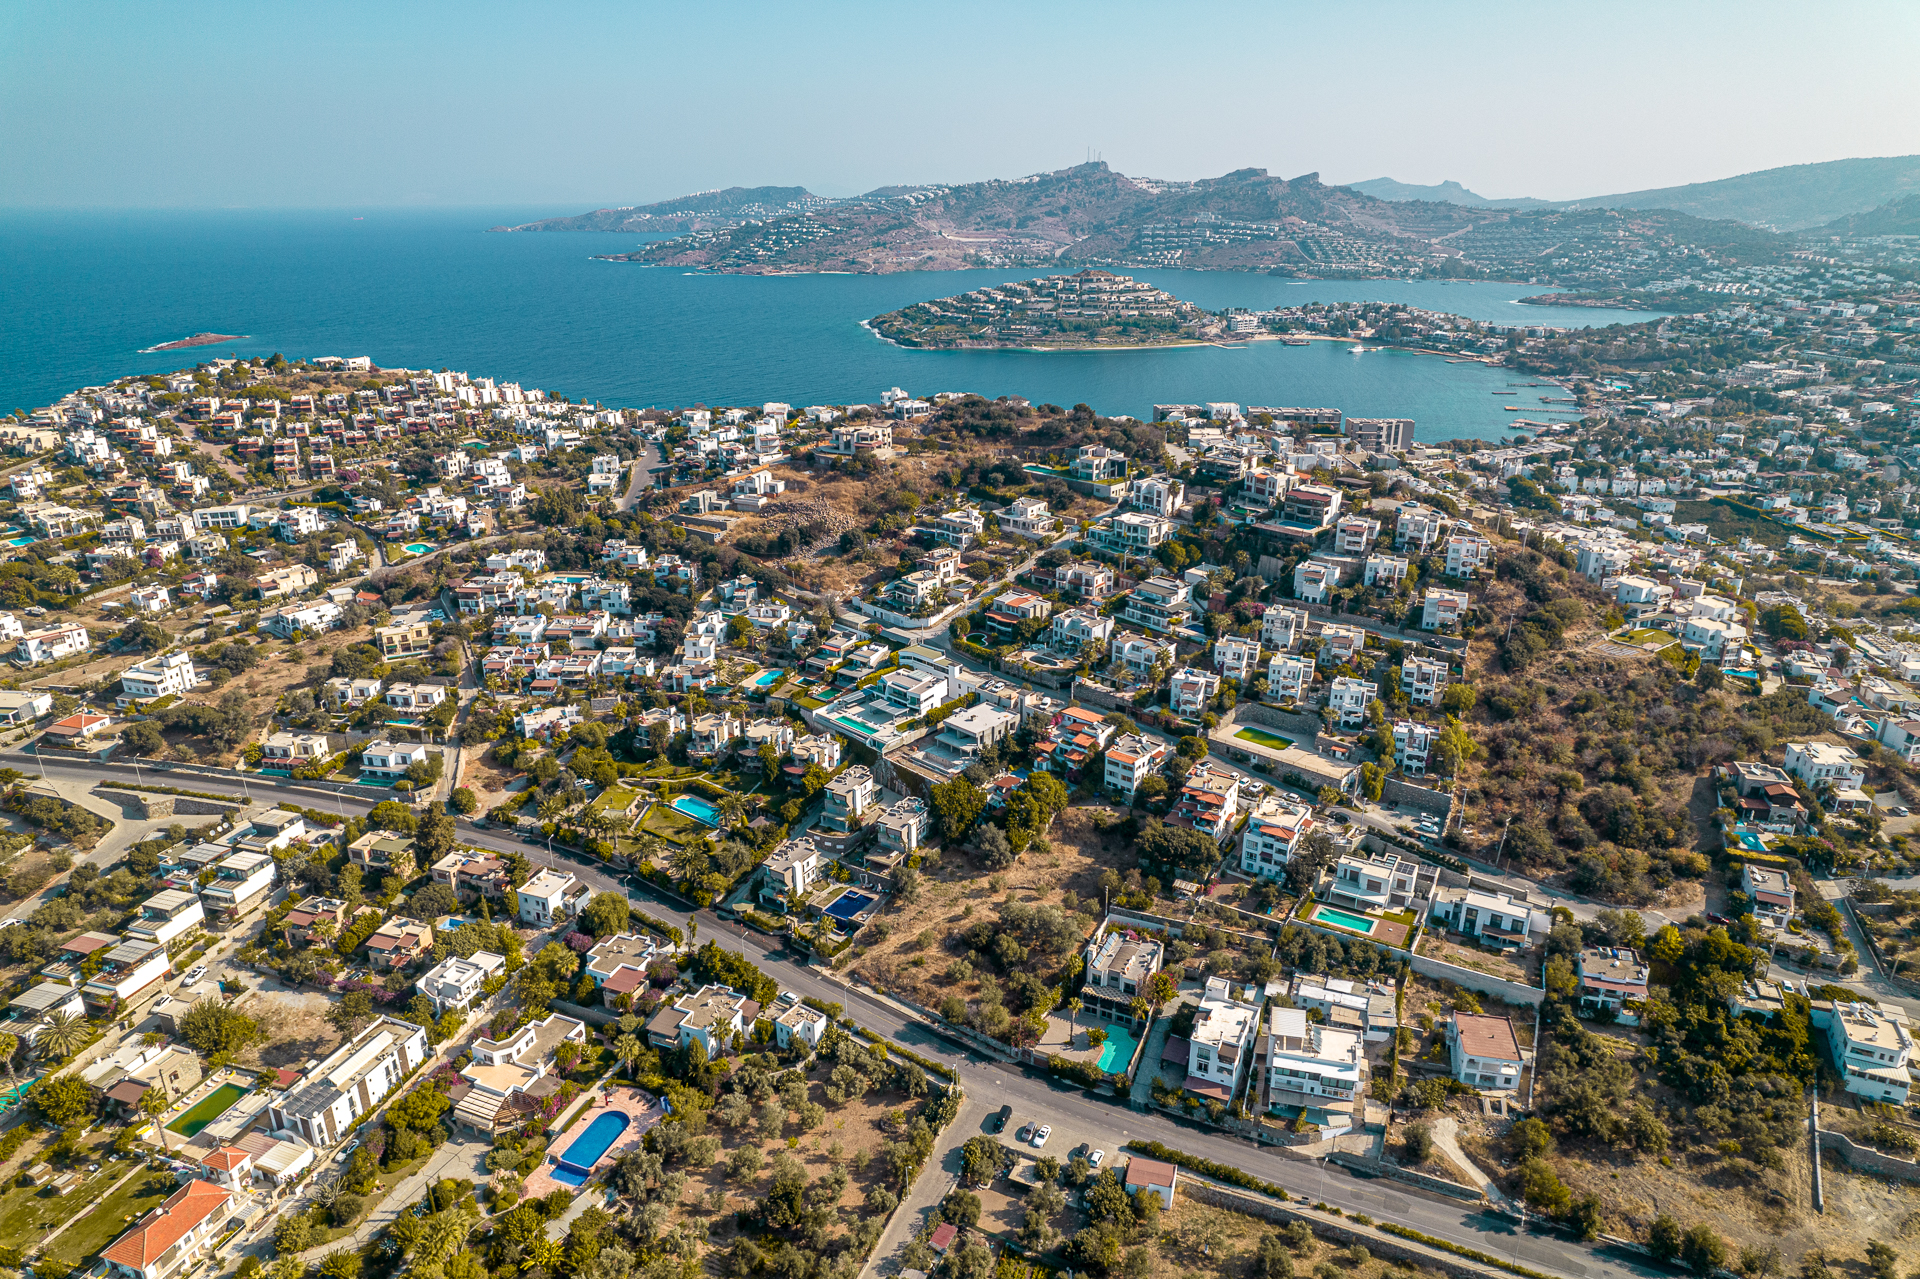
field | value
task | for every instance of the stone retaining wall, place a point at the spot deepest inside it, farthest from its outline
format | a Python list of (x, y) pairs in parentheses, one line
[(1865, 1159), (1300, 727), (1433, 801), (151, 806), (1500, 988), (1335, 1229), (1380, 1168)]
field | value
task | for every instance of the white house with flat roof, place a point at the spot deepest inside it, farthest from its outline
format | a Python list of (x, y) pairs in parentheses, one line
[(351, 1082), (1491, 918), (1275, 828), (1872, 1047), (550, 896), (1220, 1046), (1825, 764), (454, 982), (1304, 1063)]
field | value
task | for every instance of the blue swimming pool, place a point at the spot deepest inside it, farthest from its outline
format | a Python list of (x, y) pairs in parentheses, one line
[(577, 1163), (418, 548), (766, 679), (1118, 1050), (849, 904), (698, 809), (1751, 842)]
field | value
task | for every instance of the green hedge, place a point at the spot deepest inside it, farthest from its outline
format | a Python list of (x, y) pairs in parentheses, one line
[(1208, 1168), (656, 926), (895, 1050), (1460, 1250)]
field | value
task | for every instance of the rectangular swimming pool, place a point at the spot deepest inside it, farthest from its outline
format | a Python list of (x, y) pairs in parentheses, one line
[(849, 904), (207, 1109), (766, 679), (698, 809), (1343, 919)]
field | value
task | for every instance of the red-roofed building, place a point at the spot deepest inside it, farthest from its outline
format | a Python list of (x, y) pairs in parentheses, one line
[(80, 727), (174, 1236), (1152, 1174), (228, 1166), (626, 981), (943, 1237)]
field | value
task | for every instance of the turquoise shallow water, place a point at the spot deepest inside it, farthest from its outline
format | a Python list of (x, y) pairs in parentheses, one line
[(88, 290)]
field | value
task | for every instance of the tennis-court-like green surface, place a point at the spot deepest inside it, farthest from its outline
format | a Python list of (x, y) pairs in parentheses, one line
[(1261, 737)]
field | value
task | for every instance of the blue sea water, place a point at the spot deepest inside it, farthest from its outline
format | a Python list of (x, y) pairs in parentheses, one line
[(86, 291)]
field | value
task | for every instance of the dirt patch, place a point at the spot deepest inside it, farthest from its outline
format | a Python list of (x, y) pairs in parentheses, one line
[(297, 1022), (1454, 949), (914, 958)]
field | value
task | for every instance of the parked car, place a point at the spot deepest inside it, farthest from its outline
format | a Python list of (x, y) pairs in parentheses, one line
[(1899, 810), (1040, 1138), (1096, 1157), (194, 974), (1000, 1119), (1025, 1133)]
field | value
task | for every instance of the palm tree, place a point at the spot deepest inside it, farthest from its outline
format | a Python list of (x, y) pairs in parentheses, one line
[(153, 1103), (1139, 1008), (649, 848), (733, 806), (63, 1035), (687, 861), (1073, 1018), (9, 1045), (628, 1049)]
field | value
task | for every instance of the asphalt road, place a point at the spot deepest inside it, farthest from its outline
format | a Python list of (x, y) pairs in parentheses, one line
[(1034, 1096)]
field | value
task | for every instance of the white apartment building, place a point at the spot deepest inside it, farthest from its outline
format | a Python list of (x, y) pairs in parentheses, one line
[(161, 675), (1277, 825), (454, 982), (1413, 746), (1354, 534), (1308, 1063), (1442, 609), (350, 1082), (1119, 964), (1418, 530), (1280, 627), (1713, 640), (241, 881), (1131, 759), (167, 915), (848, 797), (904, 823), (1347, 698), (50, 644), (1492, 918), (384, 760), (551, 895), (1384, 572), (1159, 604), (1825, 764), (1076, 628), (1220, 1047), (1190, 689), (1236, 657), (1380, 881), (1424, 680), (1028, 516), (1872, 1048), (1467, 554), (1289, 676)]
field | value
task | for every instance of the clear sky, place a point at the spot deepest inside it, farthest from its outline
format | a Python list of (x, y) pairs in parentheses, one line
[(587, 104)]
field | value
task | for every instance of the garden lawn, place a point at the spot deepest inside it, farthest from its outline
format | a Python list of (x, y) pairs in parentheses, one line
[(109, 1219), (26, 1213), (1261, 737), (670, 824)]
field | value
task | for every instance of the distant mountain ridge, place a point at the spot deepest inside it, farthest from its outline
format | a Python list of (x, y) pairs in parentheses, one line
[(1795, 197), (686, 213), (1447, 192)]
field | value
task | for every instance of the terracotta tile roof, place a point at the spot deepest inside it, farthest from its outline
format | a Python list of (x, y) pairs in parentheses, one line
[(1487, 1037), (226, 1159), (187, 1208), (1149, 1172)]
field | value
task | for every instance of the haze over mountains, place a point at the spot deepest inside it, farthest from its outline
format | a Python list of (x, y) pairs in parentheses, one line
[(1249, 219), (1796, 197)]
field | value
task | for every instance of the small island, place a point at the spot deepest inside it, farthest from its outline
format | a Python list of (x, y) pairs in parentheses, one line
[(198, 339), (1088, 309)]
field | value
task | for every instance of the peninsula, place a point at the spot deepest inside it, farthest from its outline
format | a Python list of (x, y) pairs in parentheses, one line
[(1086, 309), (198, 339)]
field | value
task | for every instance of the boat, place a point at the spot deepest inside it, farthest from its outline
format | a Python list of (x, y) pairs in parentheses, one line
[(1515, 408)]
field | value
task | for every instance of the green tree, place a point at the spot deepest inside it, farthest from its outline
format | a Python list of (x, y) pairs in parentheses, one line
[(464, 801), (606, 915), (394, 816), (1703, 1249), (980, 1158), (434, 836), (1667, 946), (1664, 1238), (63, 1099), (959, 804)]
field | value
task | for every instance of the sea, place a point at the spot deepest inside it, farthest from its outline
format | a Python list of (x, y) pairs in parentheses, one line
[(85, 291)]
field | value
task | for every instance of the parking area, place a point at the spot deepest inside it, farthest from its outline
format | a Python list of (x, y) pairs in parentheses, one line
[(1067, 1138)]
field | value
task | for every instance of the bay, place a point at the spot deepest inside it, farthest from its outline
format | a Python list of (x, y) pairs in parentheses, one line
[(85, 291)]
